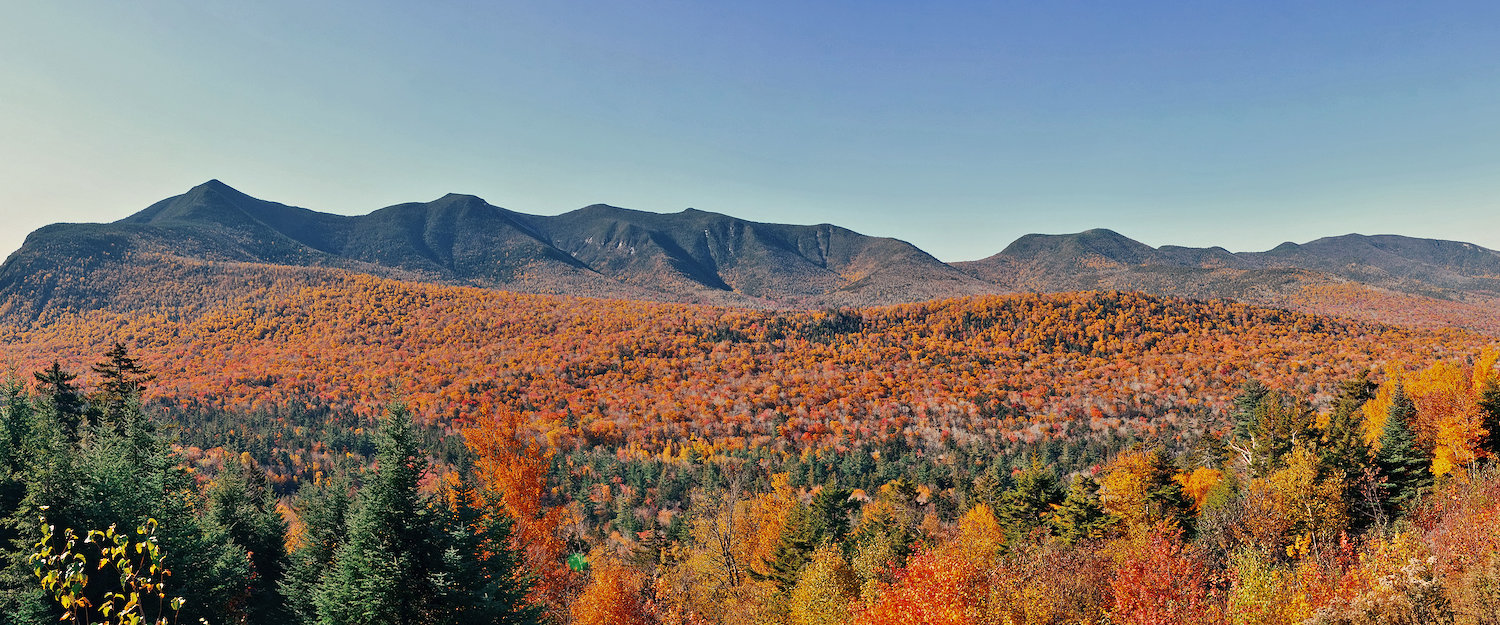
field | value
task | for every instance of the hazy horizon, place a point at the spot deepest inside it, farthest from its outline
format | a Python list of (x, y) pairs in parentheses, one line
[(957, 128)]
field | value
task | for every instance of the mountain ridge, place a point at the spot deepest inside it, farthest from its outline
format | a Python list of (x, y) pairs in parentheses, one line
[(698, 256)]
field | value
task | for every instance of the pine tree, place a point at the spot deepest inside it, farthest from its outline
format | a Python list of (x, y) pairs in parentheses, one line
[(121, 381), (241, 503), (1489, 401), (67, 403), (381, 573), (1344, 449), (484, 582), (1403, 469), (1271, 428), (823, 521), (1243, 412), (323, 508), (1028, 505), (1081, 517), (798, 539), (1343, 446), (831, 509), (120, 476)]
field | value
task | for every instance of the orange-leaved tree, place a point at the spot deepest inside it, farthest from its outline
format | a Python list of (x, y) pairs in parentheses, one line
[(513, 467)]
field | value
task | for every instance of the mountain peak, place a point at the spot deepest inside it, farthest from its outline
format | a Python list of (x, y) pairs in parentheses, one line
[(1098, 241), (460, 197)]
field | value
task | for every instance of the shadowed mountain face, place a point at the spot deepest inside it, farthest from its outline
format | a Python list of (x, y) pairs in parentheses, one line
[(599, 250), (701, 257), (1385, 278), (1106, 259)]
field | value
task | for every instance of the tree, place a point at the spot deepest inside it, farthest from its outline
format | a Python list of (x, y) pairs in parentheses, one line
[(241, 503), (1489, 401), (1343, 447), (1164, 581), (1251, 393), (1028, 505), (1269, 431), (798, 538), (121, 474), (1081, 517), (67, 404), (939, 587), (822, 593), (484, 581), (1403, 469), (612, 597), (824, 520), (382, 573), (322, 508), (408, 558), (121, 381), (138, 562), (1141, 488)]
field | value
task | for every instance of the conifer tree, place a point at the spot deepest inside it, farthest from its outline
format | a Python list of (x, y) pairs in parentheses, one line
[(1271, 428), (1343, 440), (1404, 469), (1081, 517), (1028, 504), (241, 503), (119, 474), (823, 521), (484, 582), (1243, 412), (1489, 401), (381, 573), (798, 539), (1166, 497), (66, 402), (322, 507), (121, 381)]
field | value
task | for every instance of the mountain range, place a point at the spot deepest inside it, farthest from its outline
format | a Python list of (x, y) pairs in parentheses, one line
[(702, 257)]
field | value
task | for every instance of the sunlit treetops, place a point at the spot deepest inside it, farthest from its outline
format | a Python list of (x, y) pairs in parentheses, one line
[(654, 377)]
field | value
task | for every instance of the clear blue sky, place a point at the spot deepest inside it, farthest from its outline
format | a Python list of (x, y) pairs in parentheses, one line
[(957, 126)]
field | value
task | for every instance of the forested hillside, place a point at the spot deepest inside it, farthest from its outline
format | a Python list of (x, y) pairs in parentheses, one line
[(1087, 457)]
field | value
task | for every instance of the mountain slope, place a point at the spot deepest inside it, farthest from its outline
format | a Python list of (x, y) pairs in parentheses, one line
[(692, 256), (1385, 277), (186, 243)]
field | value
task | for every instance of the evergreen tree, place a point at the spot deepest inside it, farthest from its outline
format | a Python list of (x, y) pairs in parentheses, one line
[(66, 402), (1343, 446), (1269, 431), (240, 502), (483, 582), (798, 539), (1489, 401), (992, 484), (15, 421), (322, 507), (1028, 505), (1243, 411), (1081, 517), (382, 573), (1404, 469), (121, 381), (831, 508), (823, 521), (1162, 497), (119, 476)]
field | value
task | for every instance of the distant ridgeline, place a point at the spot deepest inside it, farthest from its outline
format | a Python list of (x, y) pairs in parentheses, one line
[(198, 239)]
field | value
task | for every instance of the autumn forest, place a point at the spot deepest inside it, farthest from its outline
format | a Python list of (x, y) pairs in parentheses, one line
[(261, 444)]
